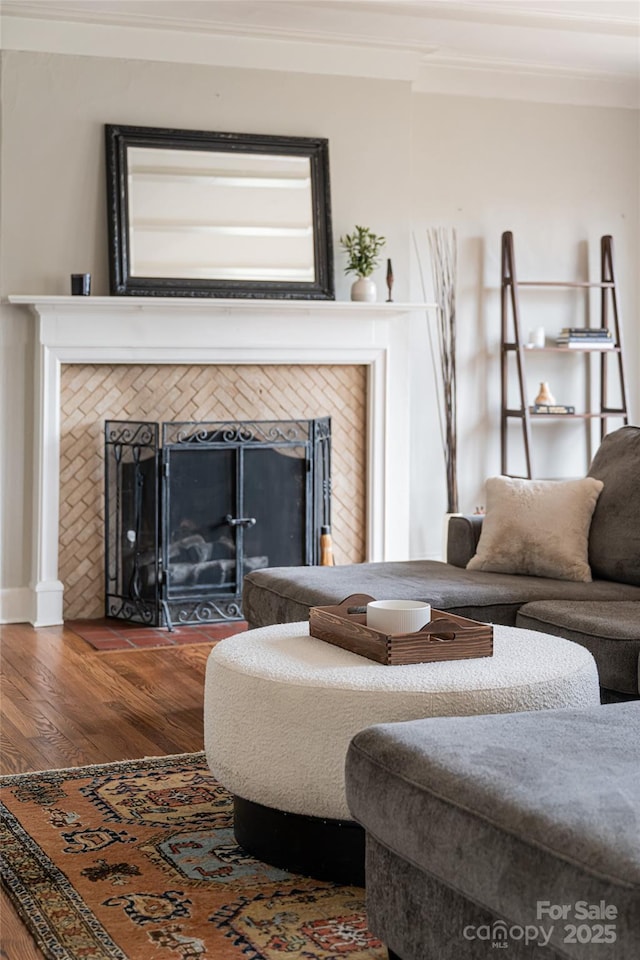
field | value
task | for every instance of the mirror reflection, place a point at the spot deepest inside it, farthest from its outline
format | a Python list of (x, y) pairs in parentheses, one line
[(218, 216)]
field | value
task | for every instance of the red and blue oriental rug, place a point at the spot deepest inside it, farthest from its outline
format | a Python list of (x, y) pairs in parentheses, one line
[(137, 861)]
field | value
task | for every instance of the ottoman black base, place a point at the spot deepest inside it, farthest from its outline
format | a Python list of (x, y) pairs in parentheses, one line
[(316, 847)]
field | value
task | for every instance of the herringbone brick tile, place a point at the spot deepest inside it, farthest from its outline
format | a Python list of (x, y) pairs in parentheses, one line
[(91, 394)]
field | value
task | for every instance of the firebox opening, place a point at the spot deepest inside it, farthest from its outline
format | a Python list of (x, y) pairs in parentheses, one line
[(188, 517)]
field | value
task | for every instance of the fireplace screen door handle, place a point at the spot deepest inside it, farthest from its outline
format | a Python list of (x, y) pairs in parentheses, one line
[(240, 521)]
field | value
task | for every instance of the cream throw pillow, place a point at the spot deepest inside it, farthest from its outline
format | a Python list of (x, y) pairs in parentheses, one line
[(537, 527)]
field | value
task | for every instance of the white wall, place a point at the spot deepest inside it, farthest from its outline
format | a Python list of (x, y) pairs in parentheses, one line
[(556, 176), (559, 177)]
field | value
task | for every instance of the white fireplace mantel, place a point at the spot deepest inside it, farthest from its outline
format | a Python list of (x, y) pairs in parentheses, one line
[(216, 331)]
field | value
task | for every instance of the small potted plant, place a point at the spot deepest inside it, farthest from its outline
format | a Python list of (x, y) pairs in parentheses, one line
[(362, 247)]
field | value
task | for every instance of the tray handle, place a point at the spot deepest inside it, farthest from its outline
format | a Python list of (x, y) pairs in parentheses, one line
[(444, 629), (355, 603)]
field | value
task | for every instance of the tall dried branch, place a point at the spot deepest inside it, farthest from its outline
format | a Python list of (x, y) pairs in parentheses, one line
[(444, 266)]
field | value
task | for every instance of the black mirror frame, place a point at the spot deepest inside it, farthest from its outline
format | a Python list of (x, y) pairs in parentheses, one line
[(122, 283)]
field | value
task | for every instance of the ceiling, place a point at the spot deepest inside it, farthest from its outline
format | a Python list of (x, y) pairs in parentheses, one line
[(596, 41)]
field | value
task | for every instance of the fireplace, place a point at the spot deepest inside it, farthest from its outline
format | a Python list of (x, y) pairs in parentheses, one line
[(191, 508), (219, 333)]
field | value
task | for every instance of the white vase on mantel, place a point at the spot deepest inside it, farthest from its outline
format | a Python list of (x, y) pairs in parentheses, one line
[(364, 290)]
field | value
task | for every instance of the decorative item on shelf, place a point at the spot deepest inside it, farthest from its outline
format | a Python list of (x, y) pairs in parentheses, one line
[(552, 408), (595, 338), (545, 396), (591, 333), (80, 284), (536, 339), (362, 247), (389, 281)]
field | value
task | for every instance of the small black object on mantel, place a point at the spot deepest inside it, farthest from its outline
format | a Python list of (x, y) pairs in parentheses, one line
[(389, 281), (80, 284)]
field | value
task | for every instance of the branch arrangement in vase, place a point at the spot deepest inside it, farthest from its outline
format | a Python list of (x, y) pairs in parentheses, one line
[(443, 251), (362, 247), (444, 268)]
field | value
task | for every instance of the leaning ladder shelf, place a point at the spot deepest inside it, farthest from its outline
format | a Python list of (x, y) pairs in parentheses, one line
[(513, 346)]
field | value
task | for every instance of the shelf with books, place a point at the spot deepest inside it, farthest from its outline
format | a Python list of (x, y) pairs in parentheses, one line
[(572, 416), (550, 409), (565, 347), (602, 340), (582, 338)]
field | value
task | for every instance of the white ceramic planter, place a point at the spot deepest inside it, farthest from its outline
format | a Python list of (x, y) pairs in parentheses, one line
[(364, 289)]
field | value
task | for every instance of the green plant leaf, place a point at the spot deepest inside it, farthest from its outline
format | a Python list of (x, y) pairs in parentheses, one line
[(362, 248)]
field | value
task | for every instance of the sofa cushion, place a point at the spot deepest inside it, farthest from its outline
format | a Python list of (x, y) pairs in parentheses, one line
[(537, 527), (511, 810), (463, 533), (609, 630), (284, 594), (614, 538)]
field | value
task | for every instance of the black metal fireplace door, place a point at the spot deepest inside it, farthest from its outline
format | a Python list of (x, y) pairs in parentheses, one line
[(188, 518)]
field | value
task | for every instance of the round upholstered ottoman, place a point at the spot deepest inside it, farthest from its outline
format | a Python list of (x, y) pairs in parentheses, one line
[(280, 708)]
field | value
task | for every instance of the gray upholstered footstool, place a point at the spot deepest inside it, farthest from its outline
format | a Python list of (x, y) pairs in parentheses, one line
[(610, 630), (518, 831)]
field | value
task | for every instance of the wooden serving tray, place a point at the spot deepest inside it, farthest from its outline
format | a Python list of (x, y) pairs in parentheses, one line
[(446, 637)]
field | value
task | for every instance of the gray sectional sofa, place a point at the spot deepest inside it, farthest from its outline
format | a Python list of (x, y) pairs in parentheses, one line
[(517, 832), (603, 615)]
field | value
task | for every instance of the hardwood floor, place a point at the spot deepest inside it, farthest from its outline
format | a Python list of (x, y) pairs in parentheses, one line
[(65, 704)]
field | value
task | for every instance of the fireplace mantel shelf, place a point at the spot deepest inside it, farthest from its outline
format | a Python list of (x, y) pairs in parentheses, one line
[(203, 330), (189, 329), (213, 304)]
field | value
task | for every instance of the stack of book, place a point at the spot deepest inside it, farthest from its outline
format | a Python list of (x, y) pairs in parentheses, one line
[(552, 409), (595, 338)]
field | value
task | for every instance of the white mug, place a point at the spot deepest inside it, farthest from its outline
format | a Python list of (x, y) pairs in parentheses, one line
[(398, 616)]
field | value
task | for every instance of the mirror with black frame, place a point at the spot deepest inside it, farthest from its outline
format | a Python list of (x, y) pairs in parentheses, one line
[(198, 214)]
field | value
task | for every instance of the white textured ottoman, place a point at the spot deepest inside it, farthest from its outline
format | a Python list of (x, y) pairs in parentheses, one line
[(281, 707)]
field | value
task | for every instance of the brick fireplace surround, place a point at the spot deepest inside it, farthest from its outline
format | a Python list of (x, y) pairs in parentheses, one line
[(93, 393), (177, 333)]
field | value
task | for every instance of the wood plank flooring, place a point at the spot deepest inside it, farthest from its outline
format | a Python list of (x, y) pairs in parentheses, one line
[(65, 704)]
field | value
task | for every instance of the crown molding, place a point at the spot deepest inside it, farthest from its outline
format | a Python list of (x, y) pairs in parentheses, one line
[(568, 15), (225, 28), (209, 49), (506, 80), (591, 17), (56, 28)]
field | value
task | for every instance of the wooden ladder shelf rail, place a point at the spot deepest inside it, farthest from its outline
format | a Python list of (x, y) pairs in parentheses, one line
[(513, 345)]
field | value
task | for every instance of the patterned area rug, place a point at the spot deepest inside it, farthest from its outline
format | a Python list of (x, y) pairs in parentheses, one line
[(138, 860)]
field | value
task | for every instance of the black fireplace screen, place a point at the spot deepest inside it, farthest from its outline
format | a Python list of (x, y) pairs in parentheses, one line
[(190, 508)]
